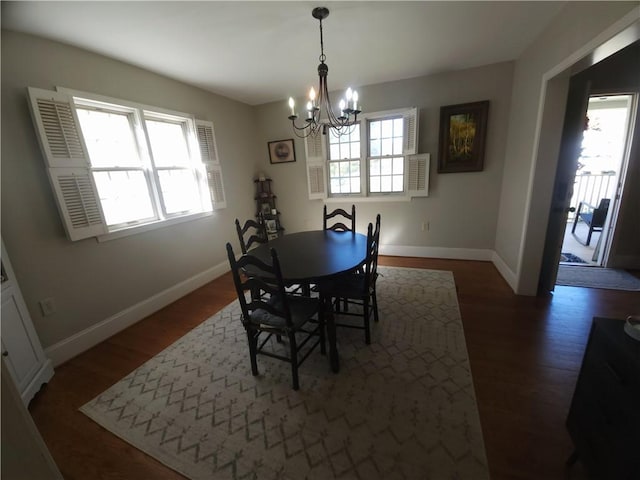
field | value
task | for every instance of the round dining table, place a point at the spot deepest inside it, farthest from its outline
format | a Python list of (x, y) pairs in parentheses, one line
[(310, 257)]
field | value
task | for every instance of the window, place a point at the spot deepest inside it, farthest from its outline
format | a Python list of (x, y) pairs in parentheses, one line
[(344, 161), (375, 159), (117, 166)]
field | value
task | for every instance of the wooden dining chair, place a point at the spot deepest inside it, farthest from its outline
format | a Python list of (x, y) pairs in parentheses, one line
[(339, 226), (358, 288), (296, 318), (252, 232)]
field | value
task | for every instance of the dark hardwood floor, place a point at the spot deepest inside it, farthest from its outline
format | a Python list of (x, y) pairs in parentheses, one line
[(525, 355)]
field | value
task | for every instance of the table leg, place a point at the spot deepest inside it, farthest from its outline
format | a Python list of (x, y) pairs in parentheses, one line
[(331, 334)]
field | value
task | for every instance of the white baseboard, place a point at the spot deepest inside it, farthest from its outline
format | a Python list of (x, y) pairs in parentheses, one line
[(437, 252), (454, 254), (89, 337), (510, 277)]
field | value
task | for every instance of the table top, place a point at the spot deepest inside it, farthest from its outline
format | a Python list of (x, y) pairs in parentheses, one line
[(309, 256)]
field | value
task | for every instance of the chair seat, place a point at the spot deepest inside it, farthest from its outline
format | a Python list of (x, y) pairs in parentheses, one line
[(587, 218), (302, 309)]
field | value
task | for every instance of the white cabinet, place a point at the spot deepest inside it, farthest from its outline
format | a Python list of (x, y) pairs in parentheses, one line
[(22, 352)]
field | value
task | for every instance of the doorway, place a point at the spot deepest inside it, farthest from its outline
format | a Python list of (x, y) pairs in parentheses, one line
[(598, 181)]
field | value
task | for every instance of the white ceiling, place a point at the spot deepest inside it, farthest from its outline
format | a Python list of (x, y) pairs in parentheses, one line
[(258, 52)]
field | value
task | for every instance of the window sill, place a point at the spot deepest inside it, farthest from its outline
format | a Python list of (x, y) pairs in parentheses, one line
[(380, 199), (147, 227)]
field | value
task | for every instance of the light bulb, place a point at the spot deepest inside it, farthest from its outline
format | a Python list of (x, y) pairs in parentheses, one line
[(291, 105)]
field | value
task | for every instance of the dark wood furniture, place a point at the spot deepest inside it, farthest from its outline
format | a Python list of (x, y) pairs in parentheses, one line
[(266, 210), (339, 226), (604, 419), (357, 288), (592, 216), (276, 313), (251, 232), (310, 257)]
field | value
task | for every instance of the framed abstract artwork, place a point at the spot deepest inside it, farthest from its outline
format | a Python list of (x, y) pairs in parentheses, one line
[(282, 151), (463, 131)]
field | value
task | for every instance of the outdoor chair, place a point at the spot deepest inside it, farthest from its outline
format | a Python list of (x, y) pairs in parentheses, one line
[(592, 216)]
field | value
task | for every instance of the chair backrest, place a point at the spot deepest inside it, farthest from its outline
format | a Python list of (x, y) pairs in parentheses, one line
[(600, 213), (339, 226), (252, 232), (253, 275), (371, 262)]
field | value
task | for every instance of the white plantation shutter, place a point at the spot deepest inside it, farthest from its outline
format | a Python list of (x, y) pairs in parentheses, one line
[(410, 132), (316, 166), (418, 175), (65, 154), (211, 162)]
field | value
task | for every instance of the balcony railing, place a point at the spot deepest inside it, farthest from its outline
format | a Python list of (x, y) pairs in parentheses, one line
[(591, 189)]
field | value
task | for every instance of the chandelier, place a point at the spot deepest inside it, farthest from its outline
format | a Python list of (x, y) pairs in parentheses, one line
[(320, 114)]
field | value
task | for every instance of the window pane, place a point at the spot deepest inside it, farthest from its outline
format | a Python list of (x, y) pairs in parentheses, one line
[(109, 138), (355, 185), (397, 146), (398, 165), (355, 150), (374, 184), (335, 185), (387, 128), (398, 127), (375, 167), (355, 133), (355, 169), (374, 130), (334, 169), (179, 190), (344, 169), (398, 183), (124, 196), (334, 151), (168, 143), (387, 146), (386, 166), (385, 183), (374, 148)]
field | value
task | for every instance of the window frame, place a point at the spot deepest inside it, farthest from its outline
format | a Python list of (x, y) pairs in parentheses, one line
[(201, 160), (408, 114)]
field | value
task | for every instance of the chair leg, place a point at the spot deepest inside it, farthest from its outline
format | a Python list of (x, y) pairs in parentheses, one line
[(374, 297), (323, 348), (252, 337), (367, 332), (294, 361), (589, 236)]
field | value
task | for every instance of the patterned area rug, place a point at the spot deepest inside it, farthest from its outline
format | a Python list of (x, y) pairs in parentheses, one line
[(401, 408), (596, 277)]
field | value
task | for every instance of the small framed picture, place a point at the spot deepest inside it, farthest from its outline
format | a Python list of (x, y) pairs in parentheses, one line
[(271, 226), (282, 151), (463, 130)]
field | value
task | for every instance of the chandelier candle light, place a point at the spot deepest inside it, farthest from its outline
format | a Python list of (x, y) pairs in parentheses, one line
[(315, 106)]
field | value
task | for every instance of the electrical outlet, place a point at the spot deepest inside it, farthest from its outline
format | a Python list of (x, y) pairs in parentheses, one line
[(48, 306)]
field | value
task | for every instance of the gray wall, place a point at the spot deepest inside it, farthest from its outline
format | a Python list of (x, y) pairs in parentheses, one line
[(461, 207), (91, 281), (525, 197)]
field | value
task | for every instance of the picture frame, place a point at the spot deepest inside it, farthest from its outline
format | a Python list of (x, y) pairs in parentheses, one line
[(463, 132), (282, 151), (271, 225)]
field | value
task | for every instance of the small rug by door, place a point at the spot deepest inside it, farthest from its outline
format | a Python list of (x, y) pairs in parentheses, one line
[(403, 407), (595, 277), (570, 258)]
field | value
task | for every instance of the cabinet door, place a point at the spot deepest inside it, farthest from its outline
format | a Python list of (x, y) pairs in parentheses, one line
[(19, 354)]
